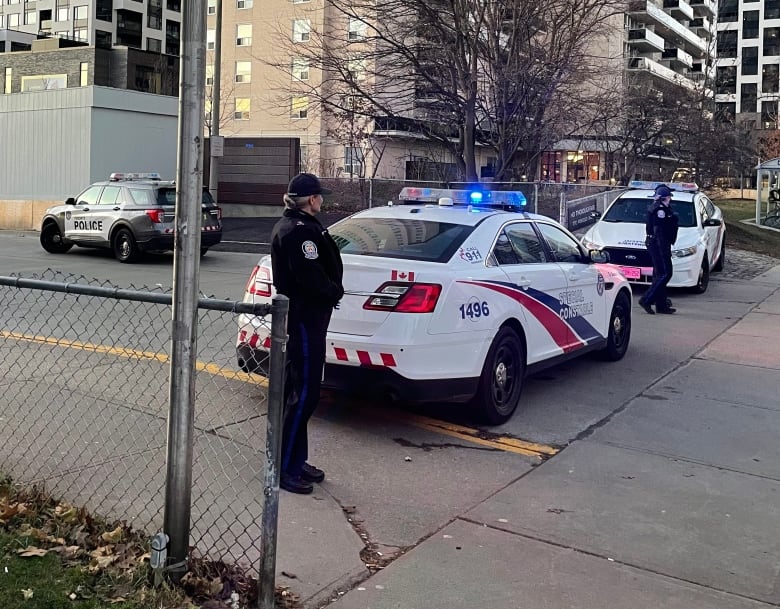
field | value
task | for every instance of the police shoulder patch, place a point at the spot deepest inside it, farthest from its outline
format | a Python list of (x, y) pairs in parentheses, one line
[(310, 250), (661, 213)]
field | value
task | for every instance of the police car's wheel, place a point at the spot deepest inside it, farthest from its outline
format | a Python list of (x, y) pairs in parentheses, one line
[(722, 258), (501, 381), (51, 239), (619, 329), (125, 247), (704, 278)]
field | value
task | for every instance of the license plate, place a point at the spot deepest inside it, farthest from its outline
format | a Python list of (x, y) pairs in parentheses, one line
[(631, 272)]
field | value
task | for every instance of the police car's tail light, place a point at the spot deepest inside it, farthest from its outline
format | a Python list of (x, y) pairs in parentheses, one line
[(157, 215), (404, 297), (259, 283)]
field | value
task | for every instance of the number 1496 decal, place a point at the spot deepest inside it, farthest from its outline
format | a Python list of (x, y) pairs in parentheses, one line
[(474, 309)]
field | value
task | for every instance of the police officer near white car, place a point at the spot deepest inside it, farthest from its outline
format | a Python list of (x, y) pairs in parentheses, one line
[(661, 228), (307, 268)]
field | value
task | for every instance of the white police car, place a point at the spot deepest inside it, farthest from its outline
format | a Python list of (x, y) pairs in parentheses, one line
[(128, 214), (701, 240), (457, 302)]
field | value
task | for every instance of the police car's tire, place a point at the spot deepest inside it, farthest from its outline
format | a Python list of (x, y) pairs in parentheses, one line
[(619, 333), (51, 239), (501, 381), (704, 278), (722, 258), (124, 246)]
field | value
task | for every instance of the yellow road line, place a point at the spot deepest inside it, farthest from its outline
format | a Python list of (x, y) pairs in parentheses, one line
[(454, 430), (469, 434), (209, 368)]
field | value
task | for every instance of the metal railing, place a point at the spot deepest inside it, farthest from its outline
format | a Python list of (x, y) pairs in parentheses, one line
[(84, 372)]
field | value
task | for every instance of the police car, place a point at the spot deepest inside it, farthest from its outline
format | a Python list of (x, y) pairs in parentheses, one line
[(701, 240), (454, 296), (128, 214)]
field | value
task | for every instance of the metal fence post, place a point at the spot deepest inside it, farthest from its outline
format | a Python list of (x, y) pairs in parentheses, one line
[(562, 210), (536, 198), (186, 265), (370, 193), (273, 452)]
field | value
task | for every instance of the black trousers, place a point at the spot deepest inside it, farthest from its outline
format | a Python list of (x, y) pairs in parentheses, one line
[(306, 332), (662, 274)]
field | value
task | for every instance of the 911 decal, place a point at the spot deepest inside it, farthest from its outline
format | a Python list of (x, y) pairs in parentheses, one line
[(474, 309), (470, 254)]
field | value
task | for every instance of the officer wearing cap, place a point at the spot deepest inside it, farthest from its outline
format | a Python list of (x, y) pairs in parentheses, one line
[(661, 230), (307, 268)]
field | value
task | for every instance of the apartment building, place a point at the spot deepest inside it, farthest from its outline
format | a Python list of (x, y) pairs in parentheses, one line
[(150, 25), (748, 69), (670, 40)]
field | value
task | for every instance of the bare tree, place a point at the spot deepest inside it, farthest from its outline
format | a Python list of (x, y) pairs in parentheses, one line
[(459, 73)]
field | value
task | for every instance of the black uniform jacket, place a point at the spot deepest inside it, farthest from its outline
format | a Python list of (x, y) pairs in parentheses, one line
[(661, 225), (306, 262)]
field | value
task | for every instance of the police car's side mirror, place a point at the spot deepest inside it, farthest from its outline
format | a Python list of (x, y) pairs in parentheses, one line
[(595, 215), (598, 256), (712, 222), (70, 201)]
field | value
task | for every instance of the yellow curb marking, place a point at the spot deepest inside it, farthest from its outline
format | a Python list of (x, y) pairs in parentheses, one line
[(468, 434)]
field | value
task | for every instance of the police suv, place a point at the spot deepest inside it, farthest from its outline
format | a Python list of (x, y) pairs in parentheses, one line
[(701, 239), (129, 214), (455, 296)]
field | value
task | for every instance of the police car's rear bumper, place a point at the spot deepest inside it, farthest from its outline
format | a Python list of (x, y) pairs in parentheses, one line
[(382, 382), (165, 242)]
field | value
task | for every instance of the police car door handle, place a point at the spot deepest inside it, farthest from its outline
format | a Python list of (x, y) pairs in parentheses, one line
[(573, 277), (524, 283), (117, 208)]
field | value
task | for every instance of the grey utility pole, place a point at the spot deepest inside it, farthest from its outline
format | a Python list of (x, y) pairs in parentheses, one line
[(186, 268), (215, 111)]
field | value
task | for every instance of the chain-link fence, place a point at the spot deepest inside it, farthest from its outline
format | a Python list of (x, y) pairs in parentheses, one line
[(85, 382), (545, 198)]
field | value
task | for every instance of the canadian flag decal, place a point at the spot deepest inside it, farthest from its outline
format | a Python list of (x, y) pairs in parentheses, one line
[(402, 276)]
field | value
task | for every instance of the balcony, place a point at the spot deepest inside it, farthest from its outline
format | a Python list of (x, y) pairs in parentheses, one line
[(679, 9), (676, 58), (653, 68), (646, 11), (129, 5), (646, 41), (704, 8), (702, 26)]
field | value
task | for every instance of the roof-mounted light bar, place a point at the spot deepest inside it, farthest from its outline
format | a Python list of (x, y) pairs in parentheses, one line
[(475, 197), (117, 176), (650, 185)]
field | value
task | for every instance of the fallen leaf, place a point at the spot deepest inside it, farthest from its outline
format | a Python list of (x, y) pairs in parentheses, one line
[(67, 513), (27, 594), (32, 551), (112, 536)]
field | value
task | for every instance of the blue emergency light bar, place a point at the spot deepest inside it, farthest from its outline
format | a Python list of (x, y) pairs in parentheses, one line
[(649, 185), (476, 198)]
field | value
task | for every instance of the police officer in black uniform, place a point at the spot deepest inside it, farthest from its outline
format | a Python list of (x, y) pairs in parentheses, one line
[(307, 268), (661, 230)]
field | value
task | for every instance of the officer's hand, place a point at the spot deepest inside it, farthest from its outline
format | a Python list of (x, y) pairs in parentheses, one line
[(337, 305)]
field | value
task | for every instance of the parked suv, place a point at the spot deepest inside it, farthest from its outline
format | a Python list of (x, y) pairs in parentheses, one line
[(130, 213)]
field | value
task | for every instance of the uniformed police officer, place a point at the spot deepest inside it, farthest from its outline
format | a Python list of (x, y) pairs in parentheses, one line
[(661, 230), (307, 268)]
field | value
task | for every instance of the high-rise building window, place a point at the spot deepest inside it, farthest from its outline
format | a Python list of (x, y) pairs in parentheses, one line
[(244, 35), (8, 80), (212, 7), (353, 160), (771, 9), (84, 74), (725, 112), (242, 4), (299, 107), (728, 11), (770, 78), (771, 41), (209, 74), (749, 24), (749, 61), (726, 79), (30, 17), (80, 12), (748, 97), (104, 10), (63, 13), (769, 118), (300, 68), (243, 71), (13, 20), (102, 39), (727, 43), (243, 107), (154, 45), (174, 5), (357, 29), (301, 30)]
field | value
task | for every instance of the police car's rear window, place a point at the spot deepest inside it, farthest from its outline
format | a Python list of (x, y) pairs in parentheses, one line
[(167, 196), (400, 238), (635, 211)]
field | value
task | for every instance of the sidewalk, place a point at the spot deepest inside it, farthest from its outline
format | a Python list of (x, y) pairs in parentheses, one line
[(673, 502)]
